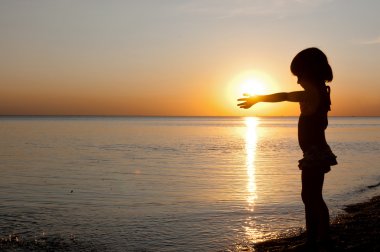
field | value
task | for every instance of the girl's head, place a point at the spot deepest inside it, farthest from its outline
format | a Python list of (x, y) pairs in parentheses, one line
[(312, 64)]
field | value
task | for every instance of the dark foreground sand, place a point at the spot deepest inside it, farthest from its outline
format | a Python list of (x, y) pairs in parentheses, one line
[(357, 230)]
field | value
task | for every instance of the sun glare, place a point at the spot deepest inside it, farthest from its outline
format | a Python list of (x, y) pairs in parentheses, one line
[(250, 83), (252, 87)]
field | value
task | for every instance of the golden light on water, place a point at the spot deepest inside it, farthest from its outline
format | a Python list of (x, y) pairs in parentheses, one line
[(250, 148)]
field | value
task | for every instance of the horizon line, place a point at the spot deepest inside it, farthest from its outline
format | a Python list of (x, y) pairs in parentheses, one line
[(86, 115)]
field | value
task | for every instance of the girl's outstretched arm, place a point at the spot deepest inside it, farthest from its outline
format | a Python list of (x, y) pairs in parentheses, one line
[(249, 101)]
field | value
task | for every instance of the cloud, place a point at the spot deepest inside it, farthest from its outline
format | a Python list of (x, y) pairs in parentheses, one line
[(373, 41), (239, 8)]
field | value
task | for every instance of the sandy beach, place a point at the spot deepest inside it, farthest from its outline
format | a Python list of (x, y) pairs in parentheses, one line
[(357, 230)]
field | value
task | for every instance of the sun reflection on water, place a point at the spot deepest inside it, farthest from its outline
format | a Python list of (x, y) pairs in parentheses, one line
[(250, 148)]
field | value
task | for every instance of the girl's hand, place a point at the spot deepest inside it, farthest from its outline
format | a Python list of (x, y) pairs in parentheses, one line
[(249, 101)]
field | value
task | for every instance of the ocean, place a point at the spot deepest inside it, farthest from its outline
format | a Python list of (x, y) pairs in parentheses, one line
[(170, 183)]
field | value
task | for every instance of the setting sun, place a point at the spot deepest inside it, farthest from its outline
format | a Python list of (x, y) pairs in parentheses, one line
[(248, 82), (252, 87)]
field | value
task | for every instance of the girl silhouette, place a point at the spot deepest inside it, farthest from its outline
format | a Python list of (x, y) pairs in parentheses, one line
[(312, 70)]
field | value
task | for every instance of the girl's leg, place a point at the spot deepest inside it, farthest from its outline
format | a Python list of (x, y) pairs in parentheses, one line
[(310, 213), (324, 223), (316, 211)]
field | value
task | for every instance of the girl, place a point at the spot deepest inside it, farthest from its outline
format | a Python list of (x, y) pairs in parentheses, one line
[(313, 71)]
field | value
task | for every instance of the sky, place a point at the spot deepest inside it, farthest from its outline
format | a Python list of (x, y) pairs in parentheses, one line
[(181, 58)]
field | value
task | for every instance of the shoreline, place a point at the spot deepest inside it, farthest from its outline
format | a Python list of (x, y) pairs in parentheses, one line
[(358, 229)]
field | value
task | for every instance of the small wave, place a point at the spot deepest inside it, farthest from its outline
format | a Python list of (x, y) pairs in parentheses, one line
[(373, 186), (367, 188)]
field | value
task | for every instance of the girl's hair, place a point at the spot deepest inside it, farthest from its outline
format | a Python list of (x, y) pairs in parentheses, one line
[(312, 63)]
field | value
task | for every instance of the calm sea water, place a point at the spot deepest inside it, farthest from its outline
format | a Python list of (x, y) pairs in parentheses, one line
[(170, 184)]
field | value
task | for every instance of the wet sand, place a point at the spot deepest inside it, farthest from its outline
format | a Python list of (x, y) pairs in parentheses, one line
[(357, 230)]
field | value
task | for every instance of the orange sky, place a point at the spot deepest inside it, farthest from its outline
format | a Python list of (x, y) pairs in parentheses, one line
[(182, 58)]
